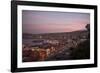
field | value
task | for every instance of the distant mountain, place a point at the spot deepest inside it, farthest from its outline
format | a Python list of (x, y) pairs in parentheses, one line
[(59, 34), (30, 34)]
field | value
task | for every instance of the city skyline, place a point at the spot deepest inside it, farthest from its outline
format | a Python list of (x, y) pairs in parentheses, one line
[(37, 22)]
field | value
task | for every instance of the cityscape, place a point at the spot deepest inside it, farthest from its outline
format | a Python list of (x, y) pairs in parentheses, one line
[(52, 38), (52, 46)]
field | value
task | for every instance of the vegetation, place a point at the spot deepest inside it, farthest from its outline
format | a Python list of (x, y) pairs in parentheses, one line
[(82, 51)]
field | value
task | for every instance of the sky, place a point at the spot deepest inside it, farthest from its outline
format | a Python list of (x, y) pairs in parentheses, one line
[(38, 22)]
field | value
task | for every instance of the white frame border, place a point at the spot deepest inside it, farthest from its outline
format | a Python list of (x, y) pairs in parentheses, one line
[(52, 63)]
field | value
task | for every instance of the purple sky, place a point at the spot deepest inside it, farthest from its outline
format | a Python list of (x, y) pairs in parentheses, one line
[(36, 22)]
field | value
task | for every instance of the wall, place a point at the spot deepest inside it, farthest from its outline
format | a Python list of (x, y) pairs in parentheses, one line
[(5, 36)]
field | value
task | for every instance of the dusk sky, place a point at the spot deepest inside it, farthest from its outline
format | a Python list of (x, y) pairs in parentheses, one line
[(36, 22)]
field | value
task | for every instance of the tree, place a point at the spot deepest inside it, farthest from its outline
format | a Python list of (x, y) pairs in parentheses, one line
[(87, 27)]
